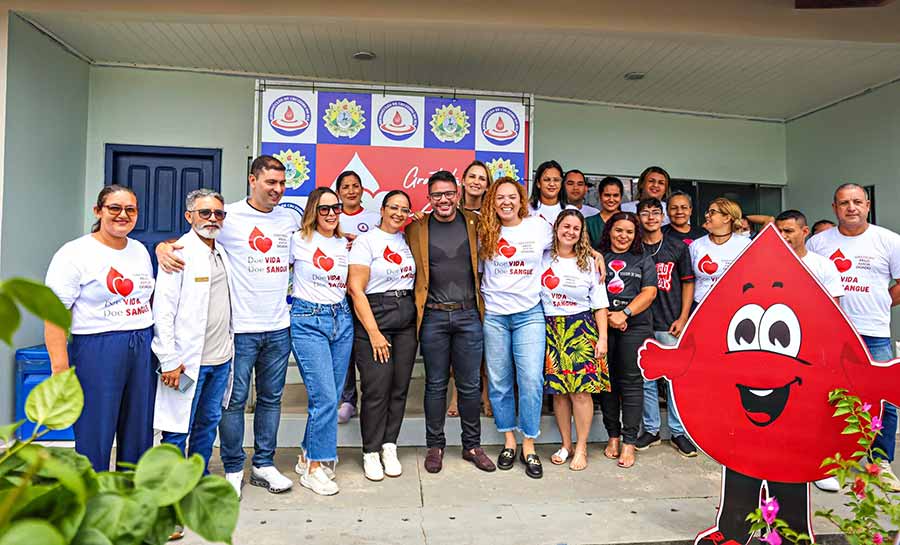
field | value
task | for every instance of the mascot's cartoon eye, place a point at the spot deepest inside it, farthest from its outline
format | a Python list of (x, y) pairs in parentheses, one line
[(743, 328), (780, 331)]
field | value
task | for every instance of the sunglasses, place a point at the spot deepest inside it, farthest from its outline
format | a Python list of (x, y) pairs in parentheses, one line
[(206, 213), (116, 209), (324, 209)]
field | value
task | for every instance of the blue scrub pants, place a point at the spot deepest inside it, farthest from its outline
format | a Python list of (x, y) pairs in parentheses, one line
[(117, 373)]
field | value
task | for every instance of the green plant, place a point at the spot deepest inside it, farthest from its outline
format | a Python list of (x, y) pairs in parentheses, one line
[(869, 496), (52, 496)]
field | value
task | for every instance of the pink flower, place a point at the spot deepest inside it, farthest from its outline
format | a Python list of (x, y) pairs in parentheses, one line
[(876, 423), (769, 508), (873, 469), (877, 539), (772, 538), (866, 407), (859, 488)]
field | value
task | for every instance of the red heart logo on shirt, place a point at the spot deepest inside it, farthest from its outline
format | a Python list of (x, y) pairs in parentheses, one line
[(549, 280), (124, 286), (707, 265), (392, 256), (840, 262), (505, 249), (322, 261), (263, 244)]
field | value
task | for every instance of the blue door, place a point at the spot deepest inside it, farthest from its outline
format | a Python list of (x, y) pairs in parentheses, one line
[(161, 177)]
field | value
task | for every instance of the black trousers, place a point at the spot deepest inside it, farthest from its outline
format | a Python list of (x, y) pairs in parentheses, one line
[(627, 395), (452, 339), (383, 386)]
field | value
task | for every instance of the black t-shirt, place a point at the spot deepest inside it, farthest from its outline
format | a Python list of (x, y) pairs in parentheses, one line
[(673, 266), (626, 275), (687, 238), (449, 262)]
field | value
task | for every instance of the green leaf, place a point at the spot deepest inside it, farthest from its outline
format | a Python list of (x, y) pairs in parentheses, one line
[(67, 475), (851, 428), (211, 509), (91, 536), (56, 402), (8, 431), (36, 499), (39, 300), (123, 520), (31, 531), (163, 527), (108, 481), (9, 318), (165, 471), (841, 411)]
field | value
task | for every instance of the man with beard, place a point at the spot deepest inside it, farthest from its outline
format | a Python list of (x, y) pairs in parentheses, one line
[(193, 337), (449, 307)]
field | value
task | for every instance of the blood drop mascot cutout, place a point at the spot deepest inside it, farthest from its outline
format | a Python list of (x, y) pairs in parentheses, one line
[(750, 378)]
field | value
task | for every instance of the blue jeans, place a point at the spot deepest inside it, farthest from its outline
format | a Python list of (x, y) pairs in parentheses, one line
[(322, 337), (651, 419), (206, 411), (267, 352), (881, 350), (514, 346)]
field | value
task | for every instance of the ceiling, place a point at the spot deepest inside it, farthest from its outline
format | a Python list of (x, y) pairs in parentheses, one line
[(757, 59)]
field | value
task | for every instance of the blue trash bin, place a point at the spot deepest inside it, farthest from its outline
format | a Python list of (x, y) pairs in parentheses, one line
[(33, 367)]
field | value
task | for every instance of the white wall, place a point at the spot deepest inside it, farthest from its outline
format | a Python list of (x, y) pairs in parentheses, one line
[(43, 174), (607, 140), (855, 141), (158, 108)]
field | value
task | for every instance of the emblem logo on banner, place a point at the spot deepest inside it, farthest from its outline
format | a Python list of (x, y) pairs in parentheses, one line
[(500, 126), (397, 120), (289, 115), (344, 118), (296, 168), (450, 123), (501, 168)]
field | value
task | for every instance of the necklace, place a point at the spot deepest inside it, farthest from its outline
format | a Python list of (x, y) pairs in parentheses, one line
[(658, 248)]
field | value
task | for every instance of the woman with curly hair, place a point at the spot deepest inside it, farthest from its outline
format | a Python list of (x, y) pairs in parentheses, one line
[(631, 288), (511, 248), (575, 303)]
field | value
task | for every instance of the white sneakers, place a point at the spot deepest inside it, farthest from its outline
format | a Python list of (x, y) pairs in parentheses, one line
[(271, 479), (236, 480), (392, 466), (887, 474), (327, 467), (319, 482), (372, 466), (828, 484)]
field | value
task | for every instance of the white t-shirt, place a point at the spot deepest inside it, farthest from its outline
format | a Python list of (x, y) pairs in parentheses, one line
[(711, 260), (567, 290), (631, 206), (512, 278), (588, 210), (391, 265), (106, 289), (258, 245), (824, 271), (320, 268), (548, 212), (362, 221), (866, 264)]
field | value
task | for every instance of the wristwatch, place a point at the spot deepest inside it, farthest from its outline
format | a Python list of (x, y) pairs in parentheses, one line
[(626, 311)]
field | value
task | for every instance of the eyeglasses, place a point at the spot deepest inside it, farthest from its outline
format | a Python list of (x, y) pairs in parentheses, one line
[(116, 209), (713, 212), (206, 213), (651, 214), (324, 209), (401, 209), (438, 195)]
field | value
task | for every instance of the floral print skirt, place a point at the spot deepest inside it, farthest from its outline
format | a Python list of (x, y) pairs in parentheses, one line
[(569, 364)]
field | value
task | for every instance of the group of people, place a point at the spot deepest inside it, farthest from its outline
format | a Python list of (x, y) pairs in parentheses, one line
[(517, 296)]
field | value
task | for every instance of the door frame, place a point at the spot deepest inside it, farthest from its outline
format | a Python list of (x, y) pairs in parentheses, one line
[(213, 153)]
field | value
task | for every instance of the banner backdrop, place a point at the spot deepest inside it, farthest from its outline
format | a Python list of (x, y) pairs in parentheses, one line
[(391, 141)]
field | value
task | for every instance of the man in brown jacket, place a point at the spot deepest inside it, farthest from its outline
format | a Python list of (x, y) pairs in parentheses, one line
[(448, 301)]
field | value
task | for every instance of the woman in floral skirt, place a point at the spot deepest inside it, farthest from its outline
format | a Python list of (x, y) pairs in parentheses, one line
[(575, 303)]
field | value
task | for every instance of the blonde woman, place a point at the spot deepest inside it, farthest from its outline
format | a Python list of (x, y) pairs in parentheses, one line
[(575, 303), (713, 254), (321, 332)]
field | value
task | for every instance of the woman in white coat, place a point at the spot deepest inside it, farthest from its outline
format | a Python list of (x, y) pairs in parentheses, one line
[(193, 336)]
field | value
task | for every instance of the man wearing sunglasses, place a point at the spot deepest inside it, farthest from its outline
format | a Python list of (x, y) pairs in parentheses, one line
[(449, 307)]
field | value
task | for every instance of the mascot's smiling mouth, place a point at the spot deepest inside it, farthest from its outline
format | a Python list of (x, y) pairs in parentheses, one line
[(764, 406)]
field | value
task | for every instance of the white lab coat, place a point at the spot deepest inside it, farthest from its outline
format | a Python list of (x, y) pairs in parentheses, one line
[(180, 306)]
